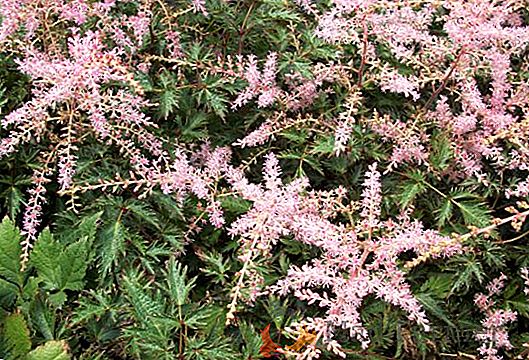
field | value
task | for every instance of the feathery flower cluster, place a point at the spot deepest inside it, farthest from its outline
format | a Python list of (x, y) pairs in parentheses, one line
[(479, 38), (409, 141), (83, 87), (261, 84), (200, 6), (70, 96), (302, 92), (391, 80), (494, 335), (29, 14), (342, 276)]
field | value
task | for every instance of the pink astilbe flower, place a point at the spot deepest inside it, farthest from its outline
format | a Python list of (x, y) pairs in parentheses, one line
[(200, 6), (74, 92), (302, 92), (272, 126), (494, 335), (342, 134), (409, 141), (29, 15), (261, 84), (33, 213), (394, 82), (340, 279), (371, 198), (139, 24), (173, 44), (479, 38)]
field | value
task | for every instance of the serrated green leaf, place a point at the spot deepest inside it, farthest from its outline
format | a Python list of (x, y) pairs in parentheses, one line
[(410, 189), (195, 126), (432, 306), (444, 213), (522, 307), (8, 293), (323, 146), (179, 286), (145, 305), (252, 340), (438, 285), (15, 337), (52, 350), (60, 267), (475, 213), (10, 252), (13, 200), (198, 318), (43, 318), (473, 271), (58, 299), (441, 153), (168, 102), (87, 228), (112, 245)]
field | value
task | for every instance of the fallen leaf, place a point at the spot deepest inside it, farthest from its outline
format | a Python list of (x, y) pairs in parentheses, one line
[(305, 338), (268, 347)]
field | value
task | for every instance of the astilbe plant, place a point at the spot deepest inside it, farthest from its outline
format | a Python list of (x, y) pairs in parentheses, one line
[(84, 88), (357, 259), (69, 100), (494, 335), (452, 63), (300, 91)]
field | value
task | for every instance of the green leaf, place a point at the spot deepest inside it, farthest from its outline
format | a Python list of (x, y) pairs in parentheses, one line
[(45, 259), (13, 199), (52, 350), (93, 305), (195, 127), (198, 318), (432, 306), (252, 340), (10, 252), (410, 189), (472, 271), (87, 228), (15, 336), (323, 146), (168, 101), (215, 266), (145, 306), (200, 349), (475, 213), (179, 288), (438, 285), (522, 307), (441, 153), (8, 293), (444, 213), (58, 299), (112, 245), (60, 267), (294, 135), (235, 204), (43, 318)]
